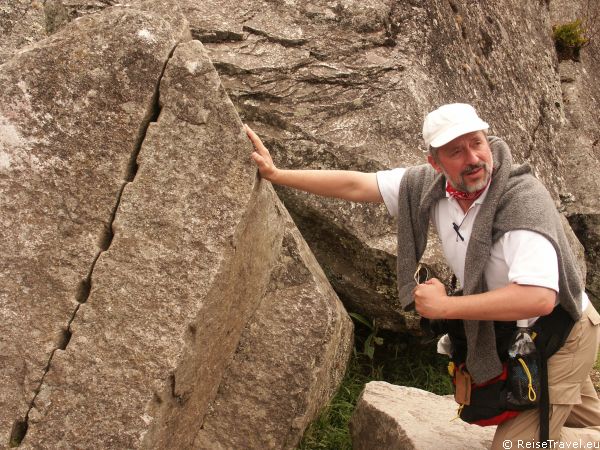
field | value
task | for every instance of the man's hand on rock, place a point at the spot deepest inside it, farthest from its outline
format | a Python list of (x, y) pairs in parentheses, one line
[(431, 299), (261, 156)]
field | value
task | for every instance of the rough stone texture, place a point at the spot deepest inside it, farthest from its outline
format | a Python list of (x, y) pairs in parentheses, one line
[(327, 84), (72, 111), (345, 85), (22, 22), (25, 22), (292, 355), (579, 142), (587, 228), (390, 417), (196, 242)]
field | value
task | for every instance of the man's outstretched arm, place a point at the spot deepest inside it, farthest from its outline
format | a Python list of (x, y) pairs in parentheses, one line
[(344, 184)]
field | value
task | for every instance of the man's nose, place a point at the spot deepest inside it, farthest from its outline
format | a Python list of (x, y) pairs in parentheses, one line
[(471, 156)]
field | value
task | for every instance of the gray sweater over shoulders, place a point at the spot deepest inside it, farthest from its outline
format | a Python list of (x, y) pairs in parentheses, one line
[(515, 200)]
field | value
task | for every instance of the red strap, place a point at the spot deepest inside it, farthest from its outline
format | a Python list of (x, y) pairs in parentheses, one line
[(496, 420)]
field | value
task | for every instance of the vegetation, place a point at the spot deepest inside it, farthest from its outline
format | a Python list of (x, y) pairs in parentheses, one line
[(571, 37), (399, 359)]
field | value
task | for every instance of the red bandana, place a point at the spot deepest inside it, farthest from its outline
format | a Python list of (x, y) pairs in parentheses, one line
[(460, 195)]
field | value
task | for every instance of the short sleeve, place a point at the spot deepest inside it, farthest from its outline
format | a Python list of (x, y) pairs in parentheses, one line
[(388, 182), (531, 259)]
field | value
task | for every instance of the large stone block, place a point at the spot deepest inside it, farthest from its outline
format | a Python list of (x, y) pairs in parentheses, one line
[(292, 355), (174, 258), (198, 241), (390, 417), (73, 110)]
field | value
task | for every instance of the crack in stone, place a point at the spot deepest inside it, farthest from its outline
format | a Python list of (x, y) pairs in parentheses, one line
[(20, 426), (207, 36), (285, 42), (542, 116)]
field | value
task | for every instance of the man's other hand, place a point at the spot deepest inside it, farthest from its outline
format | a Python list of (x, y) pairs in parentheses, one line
[(431, 299)]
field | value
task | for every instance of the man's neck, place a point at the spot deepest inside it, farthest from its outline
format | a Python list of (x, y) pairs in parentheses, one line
[(465, 204)]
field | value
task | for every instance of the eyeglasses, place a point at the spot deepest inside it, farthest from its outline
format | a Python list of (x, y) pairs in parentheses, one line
[(422, 274)]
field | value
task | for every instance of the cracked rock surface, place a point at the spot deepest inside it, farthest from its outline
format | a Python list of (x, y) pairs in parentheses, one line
[(346, 84), (160, 322), (199, 245), (71, 112)]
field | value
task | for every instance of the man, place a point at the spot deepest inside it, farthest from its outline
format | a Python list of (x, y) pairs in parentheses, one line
[(502, 237)]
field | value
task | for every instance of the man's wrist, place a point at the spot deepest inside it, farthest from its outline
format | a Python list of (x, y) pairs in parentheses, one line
[(449, 308), (275, 176)]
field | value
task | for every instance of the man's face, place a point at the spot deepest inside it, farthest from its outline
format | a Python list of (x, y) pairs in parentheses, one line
[(465, 161)]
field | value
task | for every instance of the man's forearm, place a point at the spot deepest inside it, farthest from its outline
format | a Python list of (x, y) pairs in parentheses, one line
[(512, 302), (344, 184)]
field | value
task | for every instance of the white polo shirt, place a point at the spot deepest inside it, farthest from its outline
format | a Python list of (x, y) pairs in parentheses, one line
[(519, 256)]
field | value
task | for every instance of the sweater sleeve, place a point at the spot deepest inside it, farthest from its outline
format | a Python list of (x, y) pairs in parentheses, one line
[(413, 223)]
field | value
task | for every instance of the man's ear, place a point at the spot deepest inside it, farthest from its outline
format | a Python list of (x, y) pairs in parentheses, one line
[(436, 166)]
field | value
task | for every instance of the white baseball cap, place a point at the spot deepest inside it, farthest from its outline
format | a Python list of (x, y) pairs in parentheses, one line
[(449, 122)]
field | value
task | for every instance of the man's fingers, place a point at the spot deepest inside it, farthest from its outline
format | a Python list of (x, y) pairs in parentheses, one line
[(261, 156), (258, 145), (259, 160), (251, 134)]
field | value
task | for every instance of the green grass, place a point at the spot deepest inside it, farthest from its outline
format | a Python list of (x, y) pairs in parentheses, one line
[(330, 430), (401, 359)]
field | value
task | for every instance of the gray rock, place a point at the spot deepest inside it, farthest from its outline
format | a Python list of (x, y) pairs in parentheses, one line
[(25, 22), (73, 110), (22, 22), (578, 143), (292, 355), (198, 241), (390, 417), (346, 85), (587, 229)]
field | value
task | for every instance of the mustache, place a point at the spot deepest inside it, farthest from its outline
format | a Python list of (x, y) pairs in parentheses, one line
[(473, 167)]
